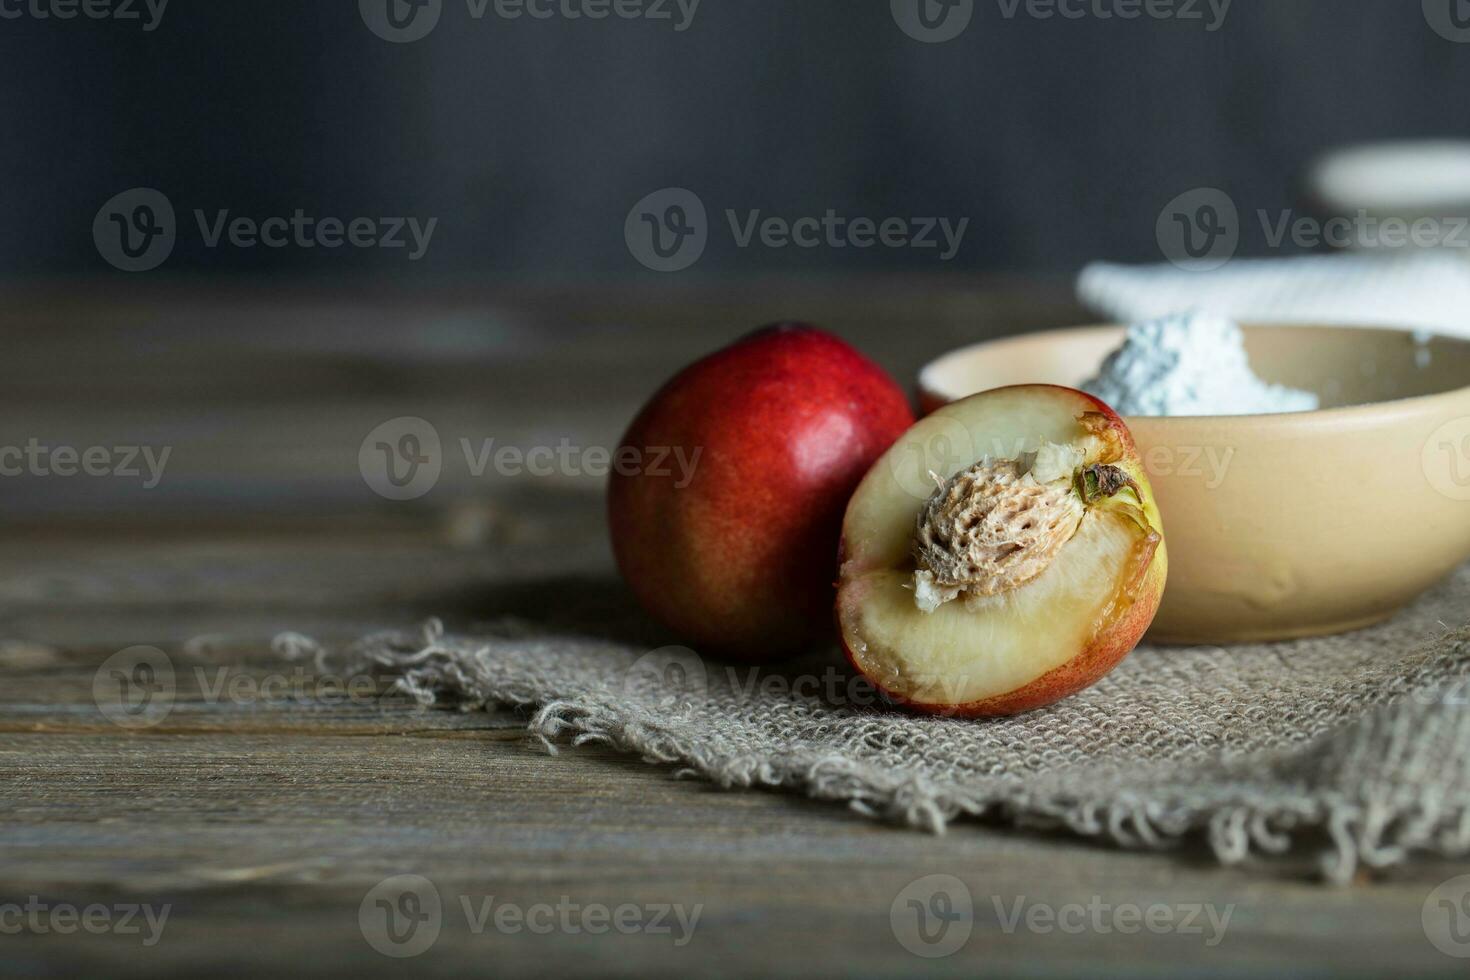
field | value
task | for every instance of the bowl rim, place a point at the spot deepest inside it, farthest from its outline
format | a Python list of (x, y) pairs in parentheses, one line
[(1408, 405)]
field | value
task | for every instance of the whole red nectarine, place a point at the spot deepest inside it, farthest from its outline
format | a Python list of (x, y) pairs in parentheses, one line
[(734, 550)]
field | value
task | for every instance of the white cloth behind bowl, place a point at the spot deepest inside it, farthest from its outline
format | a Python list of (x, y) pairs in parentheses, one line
[(1425, 290)]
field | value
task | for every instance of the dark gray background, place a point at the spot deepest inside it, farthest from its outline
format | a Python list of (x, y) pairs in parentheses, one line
[(530, 140)]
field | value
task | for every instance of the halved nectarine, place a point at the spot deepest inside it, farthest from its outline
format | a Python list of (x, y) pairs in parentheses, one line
[(1004, 553)]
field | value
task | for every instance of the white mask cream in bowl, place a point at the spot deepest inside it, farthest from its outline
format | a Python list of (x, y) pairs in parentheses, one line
[(1311, 479)]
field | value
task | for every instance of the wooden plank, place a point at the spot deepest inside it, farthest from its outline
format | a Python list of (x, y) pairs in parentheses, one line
[(274, 819), (263, 823), (282, 835)]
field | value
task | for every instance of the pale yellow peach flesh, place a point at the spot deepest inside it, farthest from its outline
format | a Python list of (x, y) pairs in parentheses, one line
[(972, 651), (1030, 646)]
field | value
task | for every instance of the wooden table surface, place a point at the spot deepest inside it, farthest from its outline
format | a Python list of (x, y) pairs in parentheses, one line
[(264, 808)]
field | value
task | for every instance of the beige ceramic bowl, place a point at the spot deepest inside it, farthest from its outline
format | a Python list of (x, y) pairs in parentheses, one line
[(1285, 525)]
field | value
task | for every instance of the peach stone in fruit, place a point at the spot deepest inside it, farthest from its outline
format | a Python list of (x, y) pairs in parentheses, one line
[(1027, 561)]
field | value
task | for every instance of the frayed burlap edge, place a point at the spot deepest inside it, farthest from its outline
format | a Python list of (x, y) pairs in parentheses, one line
[(1242, 810)]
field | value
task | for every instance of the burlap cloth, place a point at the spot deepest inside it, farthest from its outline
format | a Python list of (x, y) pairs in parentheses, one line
[(1357, 746)]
